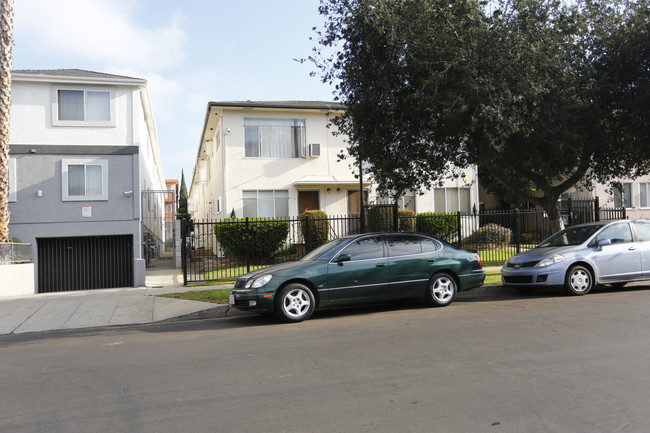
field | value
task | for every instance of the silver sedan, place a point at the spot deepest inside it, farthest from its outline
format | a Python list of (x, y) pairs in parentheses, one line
[(579, 257)]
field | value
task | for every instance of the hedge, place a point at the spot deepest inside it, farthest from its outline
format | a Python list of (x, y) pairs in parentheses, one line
[(265, 237), (441, 225), (315, 228)]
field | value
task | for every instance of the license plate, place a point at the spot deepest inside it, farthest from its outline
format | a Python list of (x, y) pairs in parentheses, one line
[(231, 300)]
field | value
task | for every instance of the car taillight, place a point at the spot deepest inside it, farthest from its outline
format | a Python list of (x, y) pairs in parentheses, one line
[(478, 257)]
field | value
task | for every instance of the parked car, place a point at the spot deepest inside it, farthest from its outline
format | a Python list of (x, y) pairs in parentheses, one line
[(579, 257), (366, 268)]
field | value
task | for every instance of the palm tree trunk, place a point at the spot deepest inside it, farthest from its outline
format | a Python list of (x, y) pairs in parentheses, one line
[(6, 51)]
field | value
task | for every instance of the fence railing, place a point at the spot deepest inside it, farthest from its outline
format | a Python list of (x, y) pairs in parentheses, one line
[(15, 253), (227, 249)]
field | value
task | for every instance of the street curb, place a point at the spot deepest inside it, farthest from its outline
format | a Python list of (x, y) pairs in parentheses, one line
[(218, 312)]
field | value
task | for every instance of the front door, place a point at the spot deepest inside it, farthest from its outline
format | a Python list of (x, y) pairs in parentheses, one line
[(622, 259), (307, 200), (364, 276)]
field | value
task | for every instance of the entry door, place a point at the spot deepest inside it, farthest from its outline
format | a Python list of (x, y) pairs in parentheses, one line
[(364, 276), (307, 200)]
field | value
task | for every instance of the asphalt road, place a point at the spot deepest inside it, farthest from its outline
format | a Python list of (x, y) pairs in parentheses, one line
[(495, 361)]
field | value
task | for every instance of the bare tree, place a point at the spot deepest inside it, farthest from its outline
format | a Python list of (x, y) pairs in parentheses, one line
[(6, 51)]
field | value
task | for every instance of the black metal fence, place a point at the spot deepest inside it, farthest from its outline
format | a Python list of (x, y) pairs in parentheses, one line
[(225, 250)]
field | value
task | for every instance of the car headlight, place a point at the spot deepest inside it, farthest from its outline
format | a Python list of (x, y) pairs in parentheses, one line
[(259, 281), (555, 258)]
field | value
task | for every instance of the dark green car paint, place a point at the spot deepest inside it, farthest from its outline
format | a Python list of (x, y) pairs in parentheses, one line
[(362, 281)]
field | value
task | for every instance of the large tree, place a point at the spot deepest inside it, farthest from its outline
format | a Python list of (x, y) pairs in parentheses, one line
[(6, 50), (516, 87)]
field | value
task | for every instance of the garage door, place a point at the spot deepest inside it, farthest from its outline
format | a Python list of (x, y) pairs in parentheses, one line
[(84, 263)]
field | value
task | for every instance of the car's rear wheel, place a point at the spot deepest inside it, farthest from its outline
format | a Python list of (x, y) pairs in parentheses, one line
[(441, 290), (294, 303), (579, 280)]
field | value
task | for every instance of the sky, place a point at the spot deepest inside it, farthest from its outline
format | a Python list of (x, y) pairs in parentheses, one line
[(191, 52)]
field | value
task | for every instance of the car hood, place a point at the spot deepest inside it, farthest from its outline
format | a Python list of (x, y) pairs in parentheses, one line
[(279, 269), (537, 254)]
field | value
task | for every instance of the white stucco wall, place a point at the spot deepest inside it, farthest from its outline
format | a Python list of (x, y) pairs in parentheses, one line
[(17, 280), (223, 172), (32, 102)]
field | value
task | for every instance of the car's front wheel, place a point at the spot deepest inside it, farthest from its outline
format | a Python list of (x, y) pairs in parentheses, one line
[(294, 303), (441, 290), (579, 280)]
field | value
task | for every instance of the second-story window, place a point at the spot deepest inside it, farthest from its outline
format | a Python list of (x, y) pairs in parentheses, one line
[(94, 106), (274, 138)]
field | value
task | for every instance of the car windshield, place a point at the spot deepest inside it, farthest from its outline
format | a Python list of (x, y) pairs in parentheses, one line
[(324, 252), (570, 236)]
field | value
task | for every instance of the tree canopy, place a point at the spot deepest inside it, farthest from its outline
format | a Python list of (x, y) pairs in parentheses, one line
[(538, 93)]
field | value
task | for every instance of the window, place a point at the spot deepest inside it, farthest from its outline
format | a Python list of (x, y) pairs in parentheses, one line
[(366, 249), (642, 229), (644, 194), (622, 194), (404, 245), (266, 204), (82, 107), (84, 179), (12, 179), (450, 200), (617, 233), (274, 138), (407, 201)]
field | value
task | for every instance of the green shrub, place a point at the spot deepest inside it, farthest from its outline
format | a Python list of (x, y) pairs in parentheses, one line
[(266, 236), (406, 220), (441, 225), (492, 234), (380, 219), (315, 228)]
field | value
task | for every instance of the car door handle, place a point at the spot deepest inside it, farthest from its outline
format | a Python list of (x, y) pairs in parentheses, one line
[(380, 265), (632, 249), (431, 260)]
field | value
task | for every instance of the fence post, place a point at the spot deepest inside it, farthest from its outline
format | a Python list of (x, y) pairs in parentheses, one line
[(517, 231), (459, 229), (597, 209), (395, 218), (248, 262), (184, 249)]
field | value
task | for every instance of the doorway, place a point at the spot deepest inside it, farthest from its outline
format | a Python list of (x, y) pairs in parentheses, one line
[(308, 200)]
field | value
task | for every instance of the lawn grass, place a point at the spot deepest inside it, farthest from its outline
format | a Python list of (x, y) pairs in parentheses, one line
[(230, 273), (216, 296), (492, 278)]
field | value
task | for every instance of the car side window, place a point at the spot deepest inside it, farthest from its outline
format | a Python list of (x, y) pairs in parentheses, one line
[(429, 245), (642, 231), (365, 248), (617, 233), (403, 245)]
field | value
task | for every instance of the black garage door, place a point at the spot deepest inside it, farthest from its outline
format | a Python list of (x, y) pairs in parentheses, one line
[(84, 263)]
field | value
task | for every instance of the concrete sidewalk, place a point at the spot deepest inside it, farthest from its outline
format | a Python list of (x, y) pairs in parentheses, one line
[(107, 307)]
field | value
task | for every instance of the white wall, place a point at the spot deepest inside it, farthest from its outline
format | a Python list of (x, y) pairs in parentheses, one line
[(31, 118), (17, 280)]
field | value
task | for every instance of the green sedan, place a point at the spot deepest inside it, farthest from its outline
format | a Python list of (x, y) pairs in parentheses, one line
[(359, 269)]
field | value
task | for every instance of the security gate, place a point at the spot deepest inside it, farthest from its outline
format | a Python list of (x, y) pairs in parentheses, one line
[(158, 229), (84, 263)]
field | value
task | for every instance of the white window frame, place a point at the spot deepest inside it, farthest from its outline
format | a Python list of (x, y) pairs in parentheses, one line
[(277, 194), (647, 195), (65, 196), (459, 203), (265, 133), (631, 198), (13, 193), (93, 123)]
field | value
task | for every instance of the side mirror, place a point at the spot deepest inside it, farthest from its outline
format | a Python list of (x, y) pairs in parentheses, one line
[(343, 258), (603, 242)]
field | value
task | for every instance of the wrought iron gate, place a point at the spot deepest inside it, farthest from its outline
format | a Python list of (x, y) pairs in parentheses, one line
[(158, 229)]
